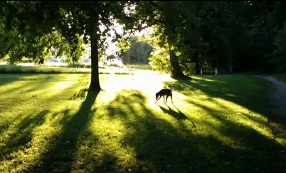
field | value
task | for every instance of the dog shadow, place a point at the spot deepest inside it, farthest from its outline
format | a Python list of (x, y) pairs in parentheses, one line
[(176, 114)]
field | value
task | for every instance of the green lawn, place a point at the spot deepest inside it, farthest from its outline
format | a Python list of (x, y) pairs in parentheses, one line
[(139, 66), (219, 124), (71, 69)]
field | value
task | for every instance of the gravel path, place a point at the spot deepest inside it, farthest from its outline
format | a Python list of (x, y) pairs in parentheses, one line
[(278, 97)]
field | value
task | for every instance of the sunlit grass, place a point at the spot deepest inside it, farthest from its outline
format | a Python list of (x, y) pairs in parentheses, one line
[(140, 66), (71, 69), (51, 123)]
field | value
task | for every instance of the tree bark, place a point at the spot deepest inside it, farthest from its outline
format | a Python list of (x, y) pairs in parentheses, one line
[(94, 80), (230, 66), (175, 66), (176, 71)]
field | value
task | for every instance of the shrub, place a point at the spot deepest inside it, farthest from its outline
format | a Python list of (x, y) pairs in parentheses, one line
[(160, 62), (188, 68), (76, 65)]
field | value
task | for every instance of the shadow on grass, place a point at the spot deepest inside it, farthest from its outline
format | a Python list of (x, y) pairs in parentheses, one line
[(241, 90), (18, 133), (61, 155), (163, 145), (179, 115), (151, 141), (81, 94), (176, 114)]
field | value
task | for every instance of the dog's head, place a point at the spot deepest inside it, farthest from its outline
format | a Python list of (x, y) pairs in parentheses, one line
[(169, 87), (157, 95)]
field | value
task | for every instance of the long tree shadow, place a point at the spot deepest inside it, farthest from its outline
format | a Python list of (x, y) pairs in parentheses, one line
[(62, 153), (18, 133), (161, 145), (151, 141), (229, 89), (245, 93)]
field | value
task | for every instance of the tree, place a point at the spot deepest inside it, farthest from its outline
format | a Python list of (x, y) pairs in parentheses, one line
[(110, 57), (38, 48), (73, 19), (166, 17), (3, 47), (135, 50)]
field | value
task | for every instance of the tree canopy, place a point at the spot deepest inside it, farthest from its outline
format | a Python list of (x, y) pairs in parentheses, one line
[(188, 35), (31, 23)]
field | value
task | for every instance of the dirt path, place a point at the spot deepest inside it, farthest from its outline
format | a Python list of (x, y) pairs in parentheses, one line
[(278, 97)]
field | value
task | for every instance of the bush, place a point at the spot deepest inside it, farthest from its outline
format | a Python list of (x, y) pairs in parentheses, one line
[(79, 65), (161, 63), (75, 65), (188, 68)]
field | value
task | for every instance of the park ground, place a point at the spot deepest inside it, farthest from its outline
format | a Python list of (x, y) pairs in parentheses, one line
[(223, 123)]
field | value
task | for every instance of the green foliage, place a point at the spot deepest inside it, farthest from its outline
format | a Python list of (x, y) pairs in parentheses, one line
[(123, 47), (278, 58), (198, 32), (78, 65), (34, 21), (173, 26), (209, 28), (109, 57), (3, 47), (188, 68), (41, 47), (135, 50), (160, 61), (77, 49)]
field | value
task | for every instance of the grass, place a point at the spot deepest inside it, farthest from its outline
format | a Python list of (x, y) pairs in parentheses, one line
[(15, 69), (51, 123), (140, 66), (71, 69)]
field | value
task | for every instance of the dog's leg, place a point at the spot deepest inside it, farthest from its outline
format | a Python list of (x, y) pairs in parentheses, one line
[(167, 98), (158, 98)]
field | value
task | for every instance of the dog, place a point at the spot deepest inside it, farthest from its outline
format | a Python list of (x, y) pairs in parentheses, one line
[(166, 92)]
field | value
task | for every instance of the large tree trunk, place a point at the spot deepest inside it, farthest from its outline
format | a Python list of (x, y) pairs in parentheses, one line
[(94, 81), (175, 66), (230, 66), (195, 59), (176, 71)]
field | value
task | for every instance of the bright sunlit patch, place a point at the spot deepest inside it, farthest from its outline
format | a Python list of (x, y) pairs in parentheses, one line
[(62, 85), (223, 110), (231, 95)]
